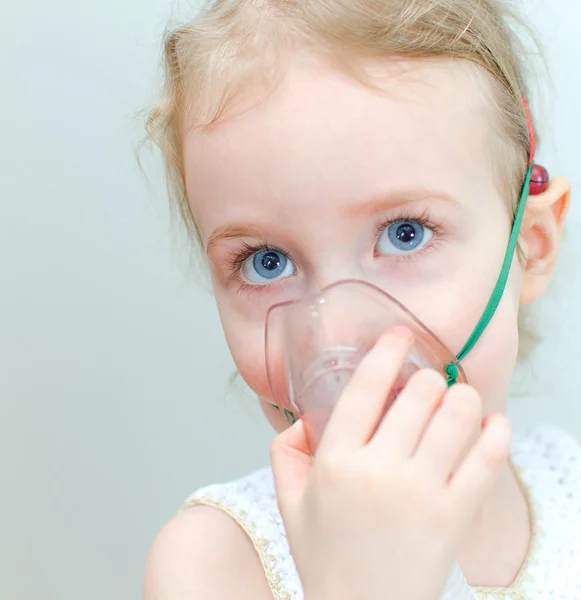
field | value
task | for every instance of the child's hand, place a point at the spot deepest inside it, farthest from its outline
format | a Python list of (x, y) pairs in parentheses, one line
[(377, 513)]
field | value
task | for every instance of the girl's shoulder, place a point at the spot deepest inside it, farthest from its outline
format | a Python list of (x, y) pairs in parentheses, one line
[(251, 503), (204, 552)]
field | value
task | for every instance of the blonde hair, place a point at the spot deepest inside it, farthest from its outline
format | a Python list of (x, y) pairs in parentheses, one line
[(233, 43)]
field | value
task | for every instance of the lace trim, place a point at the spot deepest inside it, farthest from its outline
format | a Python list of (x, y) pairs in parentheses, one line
[(261, 545), (515, 590)]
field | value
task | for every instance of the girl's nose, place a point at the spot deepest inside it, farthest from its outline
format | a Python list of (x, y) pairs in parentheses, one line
[(331, 273)]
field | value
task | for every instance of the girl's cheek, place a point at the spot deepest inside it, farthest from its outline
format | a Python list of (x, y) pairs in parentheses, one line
[(252, 368), (247, 345)]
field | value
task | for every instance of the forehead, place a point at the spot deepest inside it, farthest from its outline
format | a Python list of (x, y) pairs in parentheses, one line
[(323, 139)]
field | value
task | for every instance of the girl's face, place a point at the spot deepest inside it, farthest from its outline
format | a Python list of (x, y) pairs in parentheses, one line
[(327, 179)]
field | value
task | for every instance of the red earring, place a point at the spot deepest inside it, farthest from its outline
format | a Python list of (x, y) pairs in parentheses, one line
[(539, 180), (540, 175)]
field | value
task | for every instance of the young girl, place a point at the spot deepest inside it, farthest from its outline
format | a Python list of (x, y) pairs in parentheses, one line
[(314, 141)]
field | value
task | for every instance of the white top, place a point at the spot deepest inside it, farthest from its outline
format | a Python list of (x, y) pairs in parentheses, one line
[(547, 461)]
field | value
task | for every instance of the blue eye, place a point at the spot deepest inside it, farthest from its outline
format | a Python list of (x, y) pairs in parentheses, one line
[(268, 266), (404, 237)]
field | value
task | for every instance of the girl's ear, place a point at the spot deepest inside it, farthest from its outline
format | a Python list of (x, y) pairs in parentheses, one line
[(541, 235)]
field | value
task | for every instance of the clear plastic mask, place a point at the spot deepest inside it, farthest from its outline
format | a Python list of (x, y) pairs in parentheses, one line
[(314, 345)]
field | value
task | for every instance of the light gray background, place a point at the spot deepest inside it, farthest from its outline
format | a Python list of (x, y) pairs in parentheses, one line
[(114, 394)]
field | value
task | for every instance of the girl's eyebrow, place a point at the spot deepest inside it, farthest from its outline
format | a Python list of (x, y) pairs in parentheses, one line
[(380, 201), (398, 197), (229, 232)]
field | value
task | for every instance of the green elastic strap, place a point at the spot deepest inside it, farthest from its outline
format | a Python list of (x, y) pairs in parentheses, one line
[(289, 416), (452, 370)]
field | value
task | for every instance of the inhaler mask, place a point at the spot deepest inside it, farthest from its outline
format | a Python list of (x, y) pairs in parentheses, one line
[(314, 345)]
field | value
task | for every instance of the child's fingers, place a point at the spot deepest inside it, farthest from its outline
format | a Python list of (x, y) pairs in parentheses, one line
[(452, 427), (402, 427), (359, 409), (291, 464), (479, 470)]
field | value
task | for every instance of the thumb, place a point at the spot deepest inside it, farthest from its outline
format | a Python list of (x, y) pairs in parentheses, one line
[(291, 463)]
